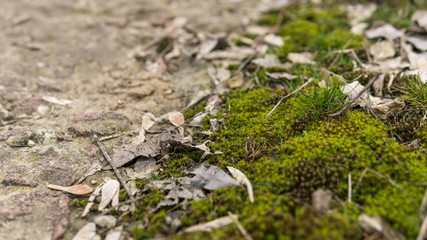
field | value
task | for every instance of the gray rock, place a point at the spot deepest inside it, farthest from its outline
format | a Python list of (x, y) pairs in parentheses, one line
[(106, 221)]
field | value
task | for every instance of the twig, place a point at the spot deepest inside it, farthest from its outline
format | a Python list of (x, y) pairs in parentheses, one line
[(110, 137), (421, 212), (423, 230), (116, 171), (356, 97), (349, 187), (240, 227), (283, 98)]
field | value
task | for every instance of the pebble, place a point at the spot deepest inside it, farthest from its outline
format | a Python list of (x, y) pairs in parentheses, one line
[(106, 221), (31, 143)]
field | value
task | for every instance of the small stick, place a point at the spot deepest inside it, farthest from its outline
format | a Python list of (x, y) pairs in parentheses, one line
[(110, 137), (421, 212), (240, 227), (423, 230), (349, 187), (283, 98), (356, 97), (110, 161)]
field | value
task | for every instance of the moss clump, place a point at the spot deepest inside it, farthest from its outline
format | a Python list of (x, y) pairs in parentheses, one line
[(79, 203), (123, 195), (289, 157)]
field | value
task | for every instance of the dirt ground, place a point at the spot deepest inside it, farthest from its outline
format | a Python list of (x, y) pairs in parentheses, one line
[(85, 51)]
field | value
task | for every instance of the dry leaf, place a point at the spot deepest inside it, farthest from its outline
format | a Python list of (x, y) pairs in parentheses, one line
[(148, 121), (110, 193), (359, 13), (210, 226), (378, 86), (382, 50), (281, 75), (199, 97), (242, 179), (274, 40), (91, 199), (176, 118), (301, 58), (79, 189), (391, 108), (178, 188), (375, 224), (385, 31), (420, 17), (234, 53), (207, 47), (212, 178), (418, 42), (268, 61), (88, 232), (54, 100)]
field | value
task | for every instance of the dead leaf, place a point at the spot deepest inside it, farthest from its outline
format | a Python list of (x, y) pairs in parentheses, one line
[(281, 75), (207, 47), (199, 97), (274, 40), (242, 179), (386, 31), (268, 61), (54, 100), (378, 86), (301, 58), (176, 118), (212, 225), (79, 189), (110, 193), (178, 189), (91, 199), (374, 224), (211, 178), (88, 232), (353, 88), (144, 173), (359, 13), (387, 109), (420, 17), (418, 42), (382, 50), (233, 53)]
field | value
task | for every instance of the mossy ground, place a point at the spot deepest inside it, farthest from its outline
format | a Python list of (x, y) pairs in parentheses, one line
[(300, 149)]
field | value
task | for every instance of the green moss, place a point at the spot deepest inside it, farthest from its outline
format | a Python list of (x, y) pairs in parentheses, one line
[(79, 203), (123, 195), (289, 157), (189, 113)]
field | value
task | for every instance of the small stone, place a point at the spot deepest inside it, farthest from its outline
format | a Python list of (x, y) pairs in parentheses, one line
[(106, 221), (31, 143), (93, 182)]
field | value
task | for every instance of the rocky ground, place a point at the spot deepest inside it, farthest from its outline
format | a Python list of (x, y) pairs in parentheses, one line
[(73, 68)]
